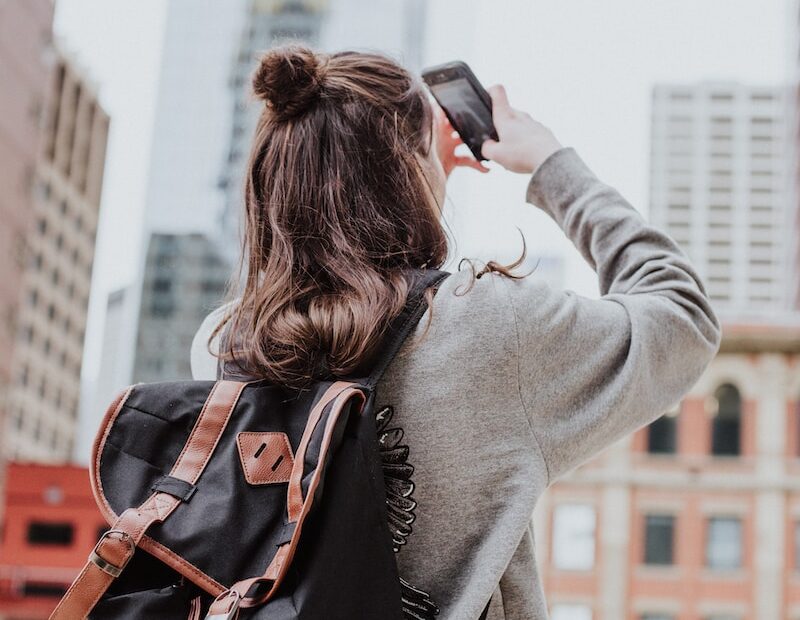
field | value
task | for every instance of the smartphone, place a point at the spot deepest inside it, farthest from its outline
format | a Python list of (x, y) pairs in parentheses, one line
[(465, 102)]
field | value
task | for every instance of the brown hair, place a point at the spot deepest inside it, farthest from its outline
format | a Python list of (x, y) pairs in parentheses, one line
[(337, 209), (337, 206)]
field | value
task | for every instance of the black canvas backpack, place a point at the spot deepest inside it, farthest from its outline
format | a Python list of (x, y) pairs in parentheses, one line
[(241, 499)]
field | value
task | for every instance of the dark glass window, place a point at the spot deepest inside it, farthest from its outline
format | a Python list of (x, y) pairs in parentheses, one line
[(49, 590), (162, 285), (40, 533), (658, 539), (727, 425), (662, 435)]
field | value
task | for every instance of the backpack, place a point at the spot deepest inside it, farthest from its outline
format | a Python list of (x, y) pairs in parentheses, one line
[(243, 499)]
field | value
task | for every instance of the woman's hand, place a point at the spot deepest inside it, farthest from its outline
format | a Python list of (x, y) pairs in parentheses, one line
[(447, 140), (523, 142)]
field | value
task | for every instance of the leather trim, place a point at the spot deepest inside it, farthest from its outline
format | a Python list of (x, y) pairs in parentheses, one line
[(97, 450), (278, 568), (185, 568), (190, 464), (93, 581), (207, 430), (294, 499), (346, 397), (266, 457)]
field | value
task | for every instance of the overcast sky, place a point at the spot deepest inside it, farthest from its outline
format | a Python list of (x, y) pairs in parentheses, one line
[(583, 67)]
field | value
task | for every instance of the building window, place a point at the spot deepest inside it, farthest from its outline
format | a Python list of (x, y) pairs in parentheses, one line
[(658, 539), (565, 611), (662, 434), (724, 543), (797, 545), (45, 590), (40, 533), (573, 536), (727, 425)]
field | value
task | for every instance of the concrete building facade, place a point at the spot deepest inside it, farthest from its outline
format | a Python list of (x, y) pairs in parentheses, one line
[(26, 61), (697, 516), (185, 278), (44, 389), (722, 185)]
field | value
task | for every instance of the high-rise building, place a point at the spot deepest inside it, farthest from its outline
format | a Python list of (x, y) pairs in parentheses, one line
[(185, 278), (722, 185), (696, 516), (44, 389), (26, 57)]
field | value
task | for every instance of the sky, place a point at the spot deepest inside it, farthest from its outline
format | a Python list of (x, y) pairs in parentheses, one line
[(582, 67)]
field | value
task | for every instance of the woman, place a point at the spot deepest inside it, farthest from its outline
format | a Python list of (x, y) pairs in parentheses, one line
[(507, 383)]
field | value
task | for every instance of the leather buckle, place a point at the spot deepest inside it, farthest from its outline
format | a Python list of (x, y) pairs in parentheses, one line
[(234, 600), (106, 566)]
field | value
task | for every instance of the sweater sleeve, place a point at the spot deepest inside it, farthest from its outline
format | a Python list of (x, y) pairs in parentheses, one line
[(593, 370), (202, 357)]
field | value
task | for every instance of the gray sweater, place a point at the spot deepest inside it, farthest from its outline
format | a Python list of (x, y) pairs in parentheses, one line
[(517, 383)]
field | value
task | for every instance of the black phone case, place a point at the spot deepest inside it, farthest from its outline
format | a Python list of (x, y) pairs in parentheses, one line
[(460, 69)]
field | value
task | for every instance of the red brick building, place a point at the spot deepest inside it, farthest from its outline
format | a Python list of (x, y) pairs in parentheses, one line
[(50, 524), (696, 517)]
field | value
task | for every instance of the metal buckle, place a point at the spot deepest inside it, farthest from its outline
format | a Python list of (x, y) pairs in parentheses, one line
[(106, 566), (233, 610)]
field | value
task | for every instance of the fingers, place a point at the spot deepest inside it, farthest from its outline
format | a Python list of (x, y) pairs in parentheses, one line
[(470, 162), (500, 105)]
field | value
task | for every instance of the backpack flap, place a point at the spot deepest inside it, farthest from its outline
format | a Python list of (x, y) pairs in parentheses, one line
[(169, 466)]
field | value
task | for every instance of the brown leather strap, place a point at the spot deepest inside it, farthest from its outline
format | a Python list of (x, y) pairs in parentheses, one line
[(110, 555), (294, 500), (117, 546), (236, 596)]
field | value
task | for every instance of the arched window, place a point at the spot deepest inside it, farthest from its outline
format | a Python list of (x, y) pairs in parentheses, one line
[(727, 427)]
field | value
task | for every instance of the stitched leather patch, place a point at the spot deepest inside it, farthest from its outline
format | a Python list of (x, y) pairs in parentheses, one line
[(266, 457)]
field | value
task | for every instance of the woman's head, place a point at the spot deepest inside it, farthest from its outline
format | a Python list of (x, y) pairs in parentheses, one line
[(343, 193)]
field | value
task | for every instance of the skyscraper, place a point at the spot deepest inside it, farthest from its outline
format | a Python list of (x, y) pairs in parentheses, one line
[(44, 391), (722, 185), (185, 278), (192, 122), (26, 57)]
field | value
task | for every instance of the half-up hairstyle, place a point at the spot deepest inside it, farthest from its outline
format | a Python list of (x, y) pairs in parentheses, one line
[(337, 207)]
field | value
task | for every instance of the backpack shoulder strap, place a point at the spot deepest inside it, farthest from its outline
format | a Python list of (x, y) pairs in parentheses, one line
[(404, 323)]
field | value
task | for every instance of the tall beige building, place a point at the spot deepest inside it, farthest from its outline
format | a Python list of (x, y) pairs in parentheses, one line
[(45, 380), (25, 50), (722, 186)]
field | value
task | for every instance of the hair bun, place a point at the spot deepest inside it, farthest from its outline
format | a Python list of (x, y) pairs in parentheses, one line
[(288, 80)]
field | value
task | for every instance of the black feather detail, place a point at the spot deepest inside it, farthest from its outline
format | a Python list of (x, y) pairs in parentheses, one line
[(400, 506), (397, 472), (417, 604)]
